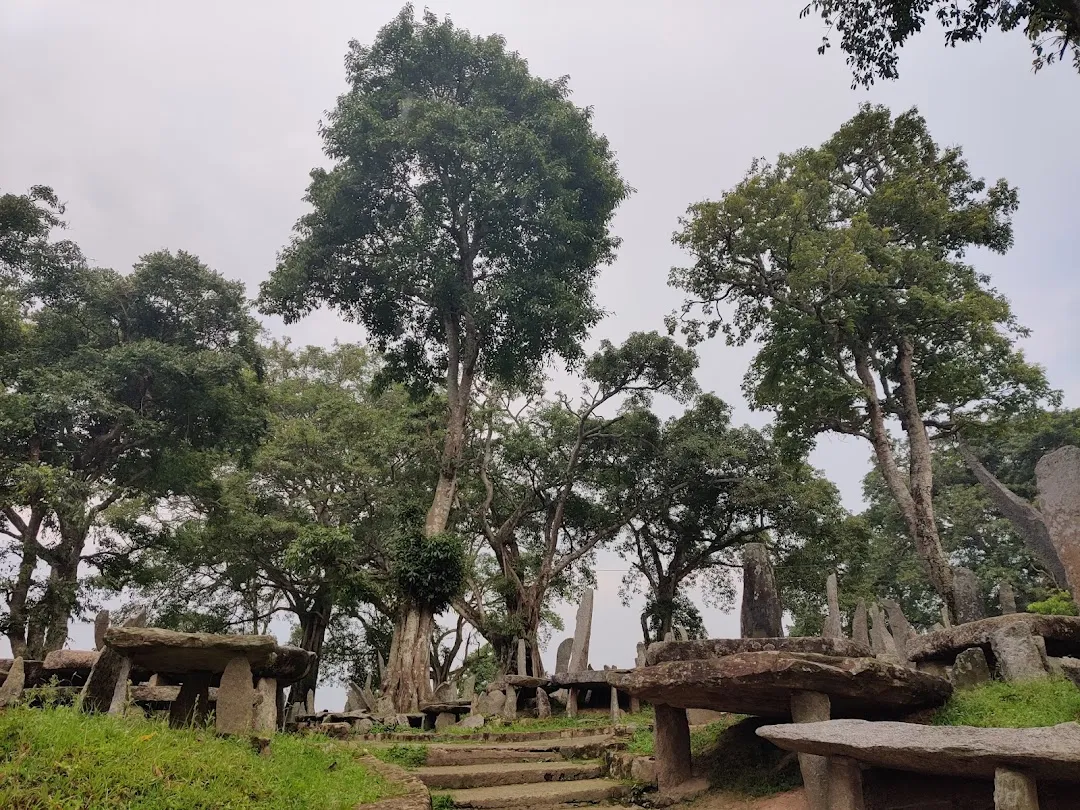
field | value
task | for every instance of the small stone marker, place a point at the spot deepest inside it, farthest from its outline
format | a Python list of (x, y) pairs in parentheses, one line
[(1014, 790), (192, 704), (562, 656), (353, 698), (491, 703), (881, 640), (444, 720), (1018, 655), (12, 688), (615, 714), (1057, 477), (522, 658), (639, 661), (101, 624), (473, 721), (902, 632), (579, 658), (543, 703), (762, 612), (1006, 597), (309, 701), (468, 688), (970, 668), (235, 699), (833, 626), (101, 688), (860, 628), (509, 709), (266, 715), (445, 693), (969, 603)]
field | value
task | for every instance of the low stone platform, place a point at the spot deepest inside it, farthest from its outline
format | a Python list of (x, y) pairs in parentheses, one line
[(661, 652), (1060, 633)]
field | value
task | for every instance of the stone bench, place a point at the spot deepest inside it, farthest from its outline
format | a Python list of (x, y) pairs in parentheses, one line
[(803, 687), (591, 680), (1015, 760)]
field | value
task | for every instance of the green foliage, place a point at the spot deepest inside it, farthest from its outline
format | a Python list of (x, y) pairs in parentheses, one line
[(430, 570), (642, 742), (442, 801), (481, 664), (1058, 603), (407, 756), (871, 33), (1025, 704), (59, 757), (466, 197)]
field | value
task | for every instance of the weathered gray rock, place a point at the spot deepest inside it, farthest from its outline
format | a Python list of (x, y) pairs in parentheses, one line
[(845, 784), (762, 611), (970, 669), (1061, 633), (509, 709), (100, 689), (902, 631), (579, 658), (309, 701), (1014, 790), (613, 707), (1006, 597), (64, 664), (192, 704), (860, 627), (354, 699), (945, 617), (266, 715), (236, 698), (543, 704), (1018, 656), (672, 743), (681, 634), (468, 688), (473, 721), (1057, 477), (1044, 753), (562, 655), (444, 693), (522, 658), (12, 688), (881, 640), (969, 601), (812, 707), (761, 683), (443, 720), (101, 624), (490, 703), (526, 681), (168, 651), (119, 702), (833, 626), (663, 651)]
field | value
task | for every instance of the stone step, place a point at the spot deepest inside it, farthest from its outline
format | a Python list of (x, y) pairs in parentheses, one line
[(539, 794), (460, 777), (438, 756)]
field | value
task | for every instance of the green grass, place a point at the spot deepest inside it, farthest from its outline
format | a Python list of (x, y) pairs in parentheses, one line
[(442, 801), (642, 743), (407, 756), (997, 704), (58, 758)]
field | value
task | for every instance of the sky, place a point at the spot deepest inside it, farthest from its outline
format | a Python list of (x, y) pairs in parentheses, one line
[(194, 126)]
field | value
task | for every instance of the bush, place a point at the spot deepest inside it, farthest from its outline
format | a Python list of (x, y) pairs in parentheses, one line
[(1059, 603)]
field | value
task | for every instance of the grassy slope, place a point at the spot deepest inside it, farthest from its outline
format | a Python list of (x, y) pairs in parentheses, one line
[(1012, 705), (58, 758)]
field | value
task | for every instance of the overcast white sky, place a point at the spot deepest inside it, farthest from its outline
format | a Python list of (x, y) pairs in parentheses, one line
[(193, 125)]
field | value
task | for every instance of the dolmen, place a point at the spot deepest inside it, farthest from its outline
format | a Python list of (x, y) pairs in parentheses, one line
[(868, 765), (790, 679), (251, 672)]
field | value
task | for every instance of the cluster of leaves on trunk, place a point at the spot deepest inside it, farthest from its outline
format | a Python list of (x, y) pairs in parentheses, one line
[(846, 263), (872, 31)]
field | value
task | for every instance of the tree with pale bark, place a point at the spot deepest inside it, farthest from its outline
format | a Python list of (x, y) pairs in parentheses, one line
[(846, 262), (463, 222)]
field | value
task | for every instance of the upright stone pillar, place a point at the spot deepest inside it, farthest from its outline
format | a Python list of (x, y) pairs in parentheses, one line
[(1006, 597), (1014, 790), (615, 715), (845, 784), (579, 657), (509, 711), (881, 640), (543, 703), (100, 689), (266, 712), (639, 661), (562, 656), (236, 698), (673, 758), (813, 707), (860, 628), (969, 603), (522, 658), (902, 632), (101, 624), (761, 609), (1057, 477), (833, 627), (12, 688)]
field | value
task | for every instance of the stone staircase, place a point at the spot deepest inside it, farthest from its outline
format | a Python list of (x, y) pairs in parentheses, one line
[(533, 774)]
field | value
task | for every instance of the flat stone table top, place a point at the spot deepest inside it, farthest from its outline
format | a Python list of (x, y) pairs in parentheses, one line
[(1045, 753), (1062, 634), (589, 678), (171, 653), (527, 682), (663, 651), (762, 683)]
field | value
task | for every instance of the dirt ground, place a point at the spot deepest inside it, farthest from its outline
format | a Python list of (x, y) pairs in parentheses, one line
[(792, 800)]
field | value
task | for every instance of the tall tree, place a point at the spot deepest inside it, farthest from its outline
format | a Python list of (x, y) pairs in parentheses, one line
[(118, 388), (463, 223), (872, 31), (846, 263), (714, 487)]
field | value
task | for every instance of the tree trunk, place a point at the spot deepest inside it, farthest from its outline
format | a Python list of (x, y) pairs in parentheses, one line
[(313, 624), (17, 631), (60, 599), (407, 681), (664, 606), (1025, 518)]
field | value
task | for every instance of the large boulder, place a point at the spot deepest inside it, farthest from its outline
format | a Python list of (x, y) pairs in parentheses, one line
[(662, 651), (66, 664), (1062, 635), (762, 683), (1046, 753)]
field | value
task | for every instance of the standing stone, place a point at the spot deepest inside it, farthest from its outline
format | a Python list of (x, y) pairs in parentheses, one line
[(101, 624), (266, 714), (1006, 597), (1014, 790), (860, 629), (945, 621), (509, 709), (543, 703), (235, 699), (522, 658), (1057, 477), (192, 704), (445, 692), (615, 714), (354, 701), (833, 627), (969, 603), (970, 668), (681, 634), (673, 758), (490, 703), (579, 658), (881, 640), (119, 702), (761, 609), (444, 720), (902, 632), (1018, 655), (468, 688), (562, 656), (309, 701), (101, 687), (12, 688), (813, 707), (639, 661)]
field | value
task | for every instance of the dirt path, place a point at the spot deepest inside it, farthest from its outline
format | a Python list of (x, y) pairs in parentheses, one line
[(792, 800)]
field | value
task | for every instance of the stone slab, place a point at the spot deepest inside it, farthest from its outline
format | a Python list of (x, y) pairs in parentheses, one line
[(176, 653), (663, 651), (528, 682), (287, 665), (1045, 753), (589, 678), (65, 663), (762, 683), (1062, 634)]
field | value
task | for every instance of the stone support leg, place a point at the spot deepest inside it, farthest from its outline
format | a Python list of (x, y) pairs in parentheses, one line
[(192, 703), (673, 760), (266, 712), (236, 699), (118, 704), (1014, 791), (845, 784), (614, 706), (571, 702), (811, 707)]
